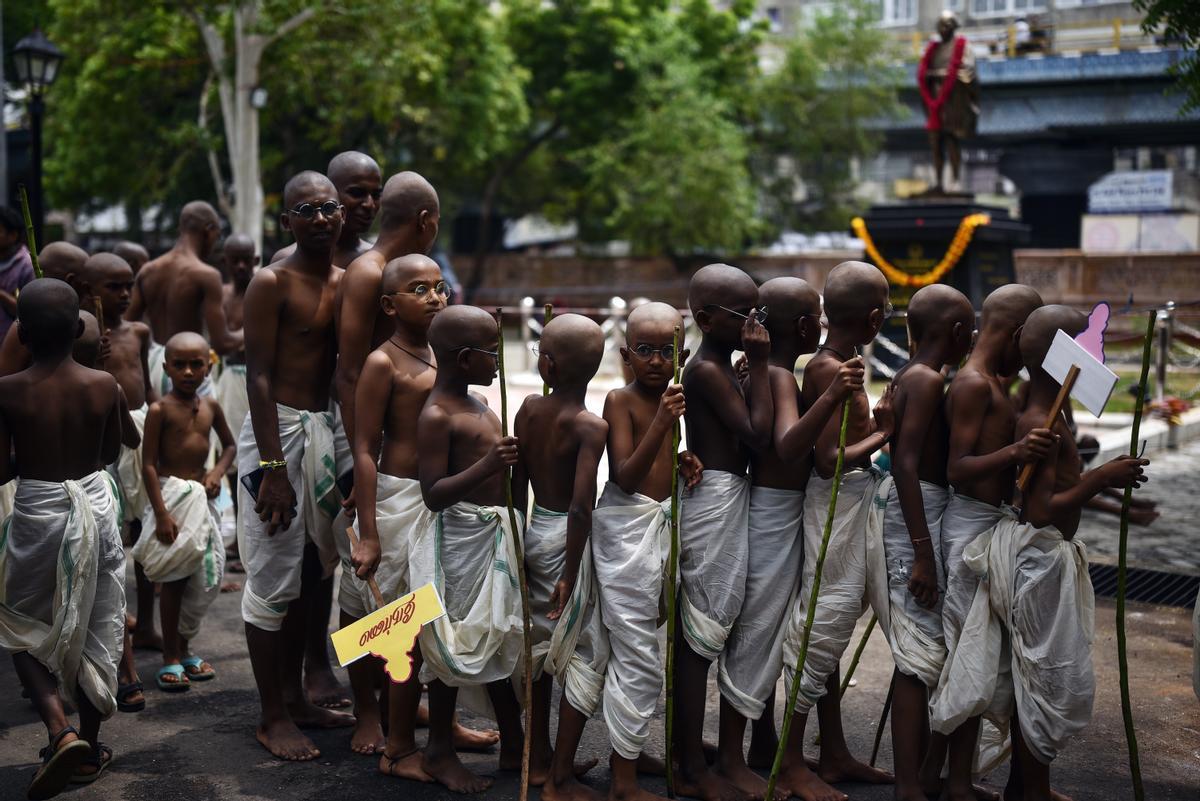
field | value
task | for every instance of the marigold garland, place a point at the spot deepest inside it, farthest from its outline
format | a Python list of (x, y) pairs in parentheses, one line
[(958, 246)]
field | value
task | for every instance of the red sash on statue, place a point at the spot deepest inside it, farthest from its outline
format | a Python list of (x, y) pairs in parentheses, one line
[(933, 106)]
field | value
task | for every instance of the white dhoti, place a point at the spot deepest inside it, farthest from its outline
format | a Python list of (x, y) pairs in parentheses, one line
[(844, 579), (575, 646), (273, 563), (753, 657), (470, 555), (913, 631), (233, 396), (631, 541), (129, 473), (197, 554), (400, 516), (63, 596), (8, 491), (713, 521)]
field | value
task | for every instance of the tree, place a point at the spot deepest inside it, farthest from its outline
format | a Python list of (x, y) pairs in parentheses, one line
[(1178, 21), (837, 75)]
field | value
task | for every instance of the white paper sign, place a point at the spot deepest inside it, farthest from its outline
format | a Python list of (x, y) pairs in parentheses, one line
[(1095, 382)]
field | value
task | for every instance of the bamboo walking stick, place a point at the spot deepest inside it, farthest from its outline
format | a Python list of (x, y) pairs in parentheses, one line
[(786, 729), (546, 318), (672, 567), (30, 239), (518, 539), (887, 707), (858, 652), (1135, 765)]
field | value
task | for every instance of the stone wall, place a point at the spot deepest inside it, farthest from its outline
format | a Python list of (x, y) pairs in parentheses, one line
[(1078, 279)]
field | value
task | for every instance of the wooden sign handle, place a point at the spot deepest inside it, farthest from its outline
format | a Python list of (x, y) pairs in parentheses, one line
[(370, 581), (1064, 393), (99, 308)]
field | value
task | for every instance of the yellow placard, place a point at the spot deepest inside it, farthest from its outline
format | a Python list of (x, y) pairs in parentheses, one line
[(389, 633)]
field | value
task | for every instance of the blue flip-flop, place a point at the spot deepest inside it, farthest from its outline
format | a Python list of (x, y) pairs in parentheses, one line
[(195, 663), (181, 683)]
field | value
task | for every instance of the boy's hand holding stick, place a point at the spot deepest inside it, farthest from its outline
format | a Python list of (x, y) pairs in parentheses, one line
[(518, 538), (375, 593), (786, 729), (672, 567)]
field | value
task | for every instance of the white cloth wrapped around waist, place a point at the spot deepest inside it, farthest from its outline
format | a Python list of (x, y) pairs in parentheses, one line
[(8, 491), (400, 516), (273, 562), (232, 394), (914, 632), (713, 550), (631, 541), (62, 600), (753, 658), (129, 473), (574, 647), (470, 556), (845, 582)]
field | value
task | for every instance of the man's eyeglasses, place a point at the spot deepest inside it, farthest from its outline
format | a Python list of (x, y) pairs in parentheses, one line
[(422, 291), (495, 354), (308, 211), (646, 352), (538, 350), (759, 314)]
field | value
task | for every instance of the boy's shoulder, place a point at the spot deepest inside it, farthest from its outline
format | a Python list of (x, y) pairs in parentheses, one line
[(915, 374)]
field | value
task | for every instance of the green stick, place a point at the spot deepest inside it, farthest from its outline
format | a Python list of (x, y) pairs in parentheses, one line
[(1135, 765), (672, 567), (518, 538), (546, 318), (786, 729), (30, 239), (862, 644)]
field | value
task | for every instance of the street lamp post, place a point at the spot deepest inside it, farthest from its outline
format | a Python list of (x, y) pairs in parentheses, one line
[(36, 60)]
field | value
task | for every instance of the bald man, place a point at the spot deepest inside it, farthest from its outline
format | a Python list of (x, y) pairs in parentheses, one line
[(179, 291), (287, 446), (60, 260), (359, 184), (409, 217)]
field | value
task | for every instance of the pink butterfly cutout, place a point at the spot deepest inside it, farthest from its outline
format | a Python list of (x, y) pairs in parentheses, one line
[(1092, 338)]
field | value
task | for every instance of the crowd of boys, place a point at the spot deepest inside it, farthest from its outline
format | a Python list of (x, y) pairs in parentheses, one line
[(344, 400)]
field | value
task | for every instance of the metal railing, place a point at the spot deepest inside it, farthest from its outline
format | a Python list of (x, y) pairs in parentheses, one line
[(1056, 38)]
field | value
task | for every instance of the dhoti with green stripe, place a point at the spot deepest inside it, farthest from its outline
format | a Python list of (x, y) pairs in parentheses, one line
[(273, 562), (470, 556), (573, 647)]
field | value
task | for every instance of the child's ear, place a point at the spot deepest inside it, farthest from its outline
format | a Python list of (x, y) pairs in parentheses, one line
[(285, 221), (703, 321), (625, 355), (387, 305)]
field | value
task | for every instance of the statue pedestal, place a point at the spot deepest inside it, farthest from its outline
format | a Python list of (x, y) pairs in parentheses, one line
[(914, 237)]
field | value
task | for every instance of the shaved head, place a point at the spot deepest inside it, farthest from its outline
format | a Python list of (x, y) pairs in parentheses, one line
[(239, 243), (399, 272), (197, 216), (305, 181), (348, 165), (60, 259), (405, 196), (576, 343), (787, 298), (1041, 327), (133, 253), (1009, 306), (104, 264), (652, 319), (721, 284), (186, 340), (459, 327), (935, 309), (854, 289), (48, 312)]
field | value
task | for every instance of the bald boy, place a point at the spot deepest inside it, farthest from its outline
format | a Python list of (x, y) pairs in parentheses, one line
[(288, 439), (179, 291), (409, 215), (358, 181), (241, 258), (60, 260), (133, 253)]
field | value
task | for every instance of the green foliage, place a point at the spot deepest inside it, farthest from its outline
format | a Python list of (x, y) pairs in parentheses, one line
[(1178, 21), (836, 76)]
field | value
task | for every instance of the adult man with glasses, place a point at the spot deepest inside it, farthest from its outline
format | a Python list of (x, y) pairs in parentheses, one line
[(359, 184), (288, 460)]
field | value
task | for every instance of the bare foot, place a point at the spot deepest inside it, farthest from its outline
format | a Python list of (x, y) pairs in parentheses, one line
[(448, 771), (307, 716), (1139, 517), (323, 689), (746, 780), (707, 786), (1057, 796), (849, 769), (570, 790), (797, 779), (466, 739), (539, 776), (230, 586), (147, 641), (367, 737), (285, 741), (404, 767), (650, 766)]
